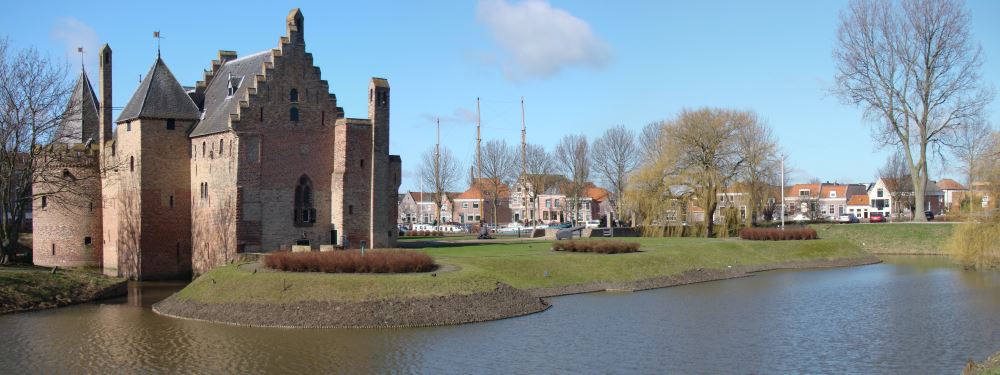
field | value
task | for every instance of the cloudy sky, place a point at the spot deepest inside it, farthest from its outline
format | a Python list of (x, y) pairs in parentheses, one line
[(581, 66)]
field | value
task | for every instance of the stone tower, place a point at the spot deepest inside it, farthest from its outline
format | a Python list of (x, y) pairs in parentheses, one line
[(149, 184), (67, 216), (381, 182)]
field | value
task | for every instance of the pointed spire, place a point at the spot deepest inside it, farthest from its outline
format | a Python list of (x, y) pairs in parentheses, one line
[(81, 121), (160, 96)]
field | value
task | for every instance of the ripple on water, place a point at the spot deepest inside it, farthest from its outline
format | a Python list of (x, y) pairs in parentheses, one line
[(884, 318)]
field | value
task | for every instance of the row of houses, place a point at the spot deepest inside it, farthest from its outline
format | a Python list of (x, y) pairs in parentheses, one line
[(827, 201), (891, 198), (498, 203)]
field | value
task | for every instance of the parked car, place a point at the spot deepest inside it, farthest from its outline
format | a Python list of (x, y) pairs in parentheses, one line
[(876, 217), (929, 215), (847, 219), (593, 223)]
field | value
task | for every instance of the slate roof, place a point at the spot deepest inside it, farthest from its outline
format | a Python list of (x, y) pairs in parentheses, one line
[(218, 103), (160, 96), (82, 121)]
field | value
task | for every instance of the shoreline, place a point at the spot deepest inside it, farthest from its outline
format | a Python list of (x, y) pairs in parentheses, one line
[(502, 302), (80, 294)]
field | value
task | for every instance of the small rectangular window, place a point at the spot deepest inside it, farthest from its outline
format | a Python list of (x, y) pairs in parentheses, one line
[(362, 163), (170, 124), (87, 241), (350, 209)]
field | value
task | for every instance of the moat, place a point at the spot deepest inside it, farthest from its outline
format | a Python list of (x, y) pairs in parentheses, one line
[(908, 315)]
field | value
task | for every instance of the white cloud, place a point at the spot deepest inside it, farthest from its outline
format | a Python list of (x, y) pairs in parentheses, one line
[(73, 33), (540, 40)]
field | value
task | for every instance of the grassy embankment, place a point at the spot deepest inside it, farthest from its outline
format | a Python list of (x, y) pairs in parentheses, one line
[(521, 264), (29, 288), (903, 238)]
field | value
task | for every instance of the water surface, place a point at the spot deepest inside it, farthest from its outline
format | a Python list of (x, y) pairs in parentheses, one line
[(910, 315)]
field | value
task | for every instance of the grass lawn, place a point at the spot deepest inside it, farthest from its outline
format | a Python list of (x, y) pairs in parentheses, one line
[(901, 238), (24, 287), (522, 264)]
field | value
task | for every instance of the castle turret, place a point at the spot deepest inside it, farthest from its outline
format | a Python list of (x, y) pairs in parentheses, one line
[(381, 178), (150, 189), (106, 103), (67, 215)]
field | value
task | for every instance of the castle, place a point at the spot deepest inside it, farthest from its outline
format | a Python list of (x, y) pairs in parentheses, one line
[(256, 157)]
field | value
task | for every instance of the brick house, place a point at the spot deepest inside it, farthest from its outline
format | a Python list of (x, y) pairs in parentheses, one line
[(256, 158), (473, 205), (419, 208), (952, 193)]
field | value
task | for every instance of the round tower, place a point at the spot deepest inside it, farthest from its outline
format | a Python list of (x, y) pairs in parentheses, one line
[(66, 213)]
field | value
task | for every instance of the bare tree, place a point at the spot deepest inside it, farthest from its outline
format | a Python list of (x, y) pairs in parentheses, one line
[(614, 156), (759, 150), (441, 174), (572, 158), (34, 102), (914, 69), (704, 156), (651, 141), (539, 173), (499, 169), (971, 144), (896, 177)]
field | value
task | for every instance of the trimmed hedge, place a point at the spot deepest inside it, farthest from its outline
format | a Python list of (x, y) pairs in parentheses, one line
[(425, 233), (602, 247), (351, 261), (777, 234)]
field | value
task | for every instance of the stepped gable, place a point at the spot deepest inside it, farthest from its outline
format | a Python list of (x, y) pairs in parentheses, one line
[(160, 96), (81, 124), (240, 74)]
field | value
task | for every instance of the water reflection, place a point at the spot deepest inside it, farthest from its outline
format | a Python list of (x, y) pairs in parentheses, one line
[(907, 316)]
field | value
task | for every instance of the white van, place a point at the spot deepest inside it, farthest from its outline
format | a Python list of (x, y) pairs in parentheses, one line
[(593, 223)]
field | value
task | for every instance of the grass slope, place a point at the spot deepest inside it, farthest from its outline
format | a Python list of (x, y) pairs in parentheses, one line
[(526, 264), (26, 288), (901, 238)]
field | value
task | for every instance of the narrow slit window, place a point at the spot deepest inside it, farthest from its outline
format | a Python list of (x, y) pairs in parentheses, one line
[(293, 114)]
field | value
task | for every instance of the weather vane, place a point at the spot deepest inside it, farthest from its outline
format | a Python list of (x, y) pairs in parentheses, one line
[(156, 35), (80, 51)]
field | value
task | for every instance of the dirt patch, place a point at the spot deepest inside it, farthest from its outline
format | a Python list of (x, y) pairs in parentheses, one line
[(502, 302)]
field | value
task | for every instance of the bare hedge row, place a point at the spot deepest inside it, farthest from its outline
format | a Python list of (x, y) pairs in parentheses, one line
[(425, 233), (602, 247), (351, 261), (777, 234)]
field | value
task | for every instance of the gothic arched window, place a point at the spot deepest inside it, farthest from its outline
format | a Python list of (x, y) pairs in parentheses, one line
[(293, 96), (305, 212)]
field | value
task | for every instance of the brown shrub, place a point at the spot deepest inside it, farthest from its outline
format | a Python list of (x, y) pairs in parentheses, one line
[(777, 234), (351, 261), (590, 246)]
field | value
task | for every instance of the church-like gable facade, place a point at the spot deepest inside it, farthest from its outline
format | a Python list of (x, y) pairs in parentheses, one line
[(257, 157)]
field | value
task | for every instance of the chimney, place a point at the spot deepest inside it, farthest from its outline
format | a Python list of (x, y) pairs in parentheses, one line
[(106, 102)]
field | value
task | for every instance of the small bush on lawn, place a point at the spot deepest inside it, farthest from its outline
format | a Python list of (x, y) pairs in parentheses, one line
[(776, 234), (351, 261), (602, 247), (425, 233)]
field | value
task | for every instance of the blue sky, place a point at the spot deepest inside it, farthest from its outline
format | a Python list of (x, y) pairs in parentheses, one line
[(582, 66)]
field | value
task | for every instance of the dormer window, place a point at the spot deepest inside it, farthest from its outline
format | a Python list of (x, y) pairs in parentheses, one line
[(234, 84), (833, 194), (804, 192)]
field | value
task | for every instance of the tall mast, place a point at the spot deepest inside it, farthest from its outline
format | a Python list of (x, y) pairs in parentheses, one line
[(437, 172), (479, 161), (524, 165)]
